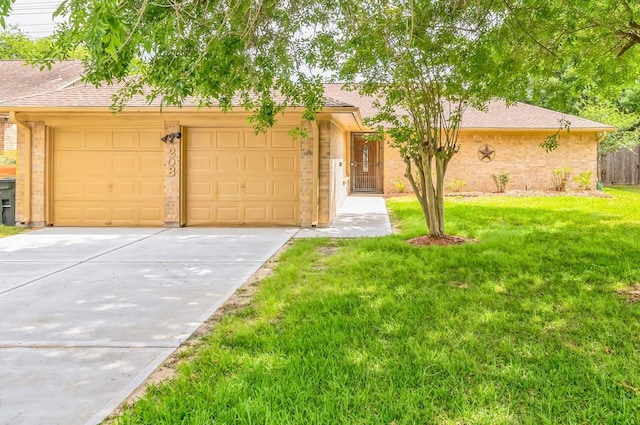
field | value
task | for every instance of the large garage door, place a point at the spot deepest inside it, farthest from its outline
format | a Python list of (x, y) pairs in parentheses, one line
[(107, 177), (236, 177)]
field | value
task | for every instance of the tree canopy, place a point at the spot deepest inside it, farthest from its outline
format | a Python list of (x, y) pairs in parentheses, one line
[(15, 44)]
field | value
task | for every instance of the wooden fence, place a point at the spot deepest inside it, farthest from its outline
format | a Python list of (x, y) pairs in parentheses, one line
[(620, 167)]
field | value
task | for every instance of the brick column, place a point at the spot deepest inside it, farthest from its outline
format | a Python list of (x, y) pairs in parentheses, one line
[(35, 217), (38, 173), (172, 173), (324, 172), (306, 175)]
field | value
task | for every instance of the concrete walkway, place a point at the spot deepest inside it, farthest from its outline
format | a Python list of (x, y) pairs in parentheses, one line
[(359, 216), (87, 314)]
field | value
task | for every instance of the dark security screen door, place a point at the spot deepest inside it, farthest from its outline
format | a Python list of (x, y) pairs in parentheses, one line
[(366, 165)]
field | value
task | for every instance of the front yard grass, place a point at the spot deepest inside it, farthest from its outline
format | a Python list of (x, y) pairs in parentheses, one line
[(9, 230), (523, 326)]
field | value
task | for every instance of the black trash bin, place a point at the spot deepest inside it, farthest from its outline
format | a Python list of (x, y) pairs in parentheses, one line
[(8, 201)]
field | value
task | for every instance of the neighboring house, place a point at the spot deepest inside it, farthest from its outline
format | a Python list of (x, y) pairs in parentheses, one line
[(18, 80), (202, 167)]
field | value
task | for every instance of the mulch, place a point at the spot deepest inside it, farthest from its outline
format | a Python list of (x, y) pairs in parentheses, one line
[(438, 240), (631, 293)]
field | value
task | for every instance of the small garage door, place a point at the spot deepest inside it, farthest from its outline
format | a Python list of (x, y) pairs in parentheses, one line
[(107, 177), (235, 177)]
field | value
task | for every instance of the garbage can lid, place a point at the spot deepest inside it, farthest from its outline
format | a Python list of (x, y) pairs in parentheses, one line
[(7, 179)]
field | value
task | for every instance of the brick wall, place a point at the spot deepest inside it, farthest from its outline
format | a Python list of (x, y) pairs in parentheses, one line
[(529, 165), (10, 137)]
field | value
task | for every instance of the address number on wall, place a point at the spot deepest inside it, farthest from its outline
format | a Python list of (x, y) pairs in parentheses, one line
[(171, 163)]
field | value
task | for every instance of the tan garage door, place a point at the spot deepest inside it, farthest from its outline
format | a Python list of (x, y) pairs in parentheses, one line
[(236, 177), (107, 177)]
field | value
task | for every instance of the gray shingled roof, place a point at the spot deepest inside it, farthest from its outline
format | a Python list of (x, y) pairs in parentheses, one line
[(25, 87), (18, 80), (88, 96), (498, 115)]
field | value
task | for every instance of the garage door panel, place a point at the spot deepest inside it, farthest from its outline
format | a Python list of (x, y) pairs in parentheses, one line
[(228, 214), (95, 191), (285, 190), (200, 214), (82, 163), (228, 190), (230, 139), (148, 140), (124, 165), (284, 164), (285, 213), (256, 141), (98, 186), (127, 140), (97, 140), (202, 163), (201, 139), (123, 214), (226, 162), (256, 214), (257, 189), (200, 190), (154, 190), (256, 164), (66, 139), (283, 140)]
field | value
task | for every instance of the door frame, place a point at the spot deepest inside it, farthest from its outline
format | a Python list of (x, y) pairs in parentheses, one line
[(379, 178)]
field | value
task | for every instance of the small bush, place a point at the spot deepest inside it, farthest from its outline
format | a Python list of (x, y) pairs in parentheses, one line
[(399, 183), (560, 178), (6, 160), (584, 180), (456, 185), (501, 180)]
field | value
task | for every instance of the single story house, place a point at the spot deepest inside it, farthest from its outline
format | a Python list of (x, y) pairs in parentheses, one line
[(81, 165)]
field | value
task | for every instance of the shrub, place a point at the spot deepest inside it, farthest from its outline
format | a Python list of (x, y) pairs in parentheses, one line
[(399, 183), (6, 160), (456, 185), (501, 180), (584, 180), (560, 178)]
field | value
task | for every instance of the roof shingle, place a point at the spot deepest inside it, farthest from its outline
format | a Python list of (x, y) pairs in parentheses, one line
[(18, 80)]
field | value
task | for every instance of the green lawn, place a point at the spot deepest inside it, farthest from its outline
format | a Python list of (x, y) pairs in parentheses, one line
[(522, 327), (9, 230)]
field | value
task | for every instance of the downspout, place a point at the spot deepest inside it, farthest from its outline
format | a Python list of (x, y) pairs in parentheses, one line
[(26, 208), (315, 208)]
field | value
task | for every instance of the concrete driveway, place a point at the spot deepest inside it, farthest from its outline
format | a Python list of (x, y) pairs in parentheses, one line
[(87, 314)]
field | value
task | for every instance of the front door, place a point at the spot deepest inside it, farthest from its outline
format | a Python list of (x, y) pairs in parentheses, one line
[(366, 165)]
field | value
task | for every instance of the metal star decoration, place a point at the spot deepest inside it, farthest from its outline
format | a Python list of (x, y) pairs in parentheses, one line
[(486, 153)]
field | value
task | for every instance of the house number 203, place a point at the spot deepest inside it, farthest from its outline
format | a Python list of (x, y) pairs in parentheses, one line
[(172, 161)]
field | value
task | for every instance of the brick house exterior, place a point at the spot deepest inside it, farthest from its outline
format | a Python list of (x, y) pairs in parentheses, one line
[(513, 134), (82, 165)]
